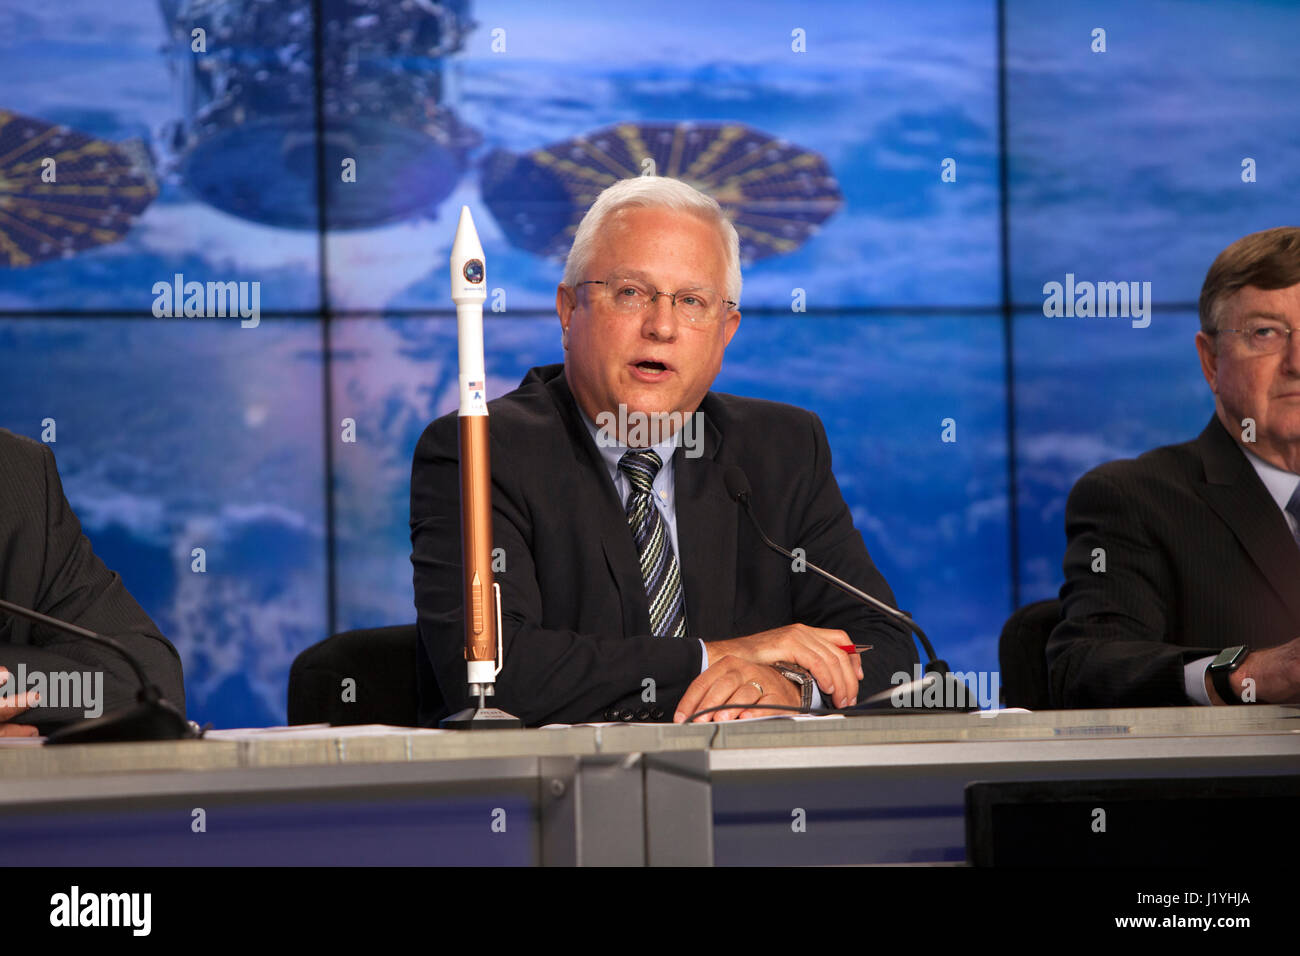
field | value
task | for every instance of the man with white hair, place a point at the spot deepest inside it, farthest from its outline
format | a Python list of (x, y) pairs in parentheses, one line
[(632, 589)]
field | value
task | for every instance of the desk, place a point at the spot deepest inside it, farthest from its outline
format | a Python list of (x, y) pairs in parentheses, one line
[(881, 789)]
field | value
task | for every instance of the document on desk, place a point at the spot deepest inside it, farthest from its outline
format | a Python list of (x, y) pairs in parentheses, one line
[(660, 723), (317, 732)]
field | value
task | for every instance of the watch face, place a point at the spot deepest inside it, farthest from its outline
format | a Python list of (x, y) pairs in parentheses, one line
[(1228, 657)]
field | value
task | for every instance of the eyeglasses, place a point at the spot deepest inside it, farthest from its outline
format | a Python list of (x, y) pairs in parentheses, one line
[(1264, 338), (632, 297)]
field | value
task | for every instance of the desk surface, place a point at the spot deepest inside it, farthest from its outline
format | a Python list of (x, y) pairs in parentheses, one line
[(877, 789), (1198, 729)]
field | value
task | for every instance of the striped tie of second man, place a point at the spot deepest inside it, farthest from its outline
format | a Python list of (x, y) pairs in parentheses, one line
[(1293, 506), (659, 567)]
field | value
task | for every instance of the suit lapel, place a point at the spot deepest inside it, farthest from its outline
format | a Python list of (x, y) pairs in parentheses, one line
[(706, 538), (596, 492), (625, 570), (1233, 489)]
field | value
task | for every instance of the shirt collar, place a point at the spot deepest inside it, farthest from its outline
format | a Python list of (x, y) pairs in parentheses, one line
[(613, 453), (1281, 484)]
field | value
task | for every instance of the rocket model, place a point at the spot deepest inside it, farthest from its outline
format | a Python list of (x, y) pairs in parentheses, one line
[(482, 594)]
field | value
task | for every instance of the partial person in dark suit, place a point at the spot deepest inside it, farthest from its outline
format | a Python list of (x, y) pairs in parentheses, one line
[(1182, 572), (47, 564), (633, 587)]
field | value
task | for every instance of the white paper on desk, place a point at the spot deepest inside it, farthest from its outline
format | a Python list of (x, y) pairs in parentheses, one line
[(316, 732), (21, 741), (740, 720), (1003, 710)]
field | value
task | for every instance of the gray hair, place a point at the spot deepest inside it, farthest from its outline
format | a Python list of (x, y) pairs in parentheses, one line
[(656, 192), (1267, 260)]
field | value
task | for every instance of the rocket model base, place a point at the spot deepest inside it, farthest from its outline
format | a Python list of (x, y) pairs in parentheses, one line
[(481, 718)]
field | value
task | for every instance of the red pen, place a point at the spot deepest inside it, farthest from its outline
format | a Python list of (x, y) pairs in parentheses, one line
[(852, 649)]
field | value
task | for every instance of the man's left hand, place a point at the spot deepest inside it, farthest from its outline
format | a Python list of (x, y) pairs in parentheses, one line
[(11, 705), (732, 680)]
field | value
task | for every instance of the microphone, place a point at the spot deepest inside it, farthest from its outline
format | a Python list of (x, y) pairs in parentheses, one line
[(936, 669), (152, 718)]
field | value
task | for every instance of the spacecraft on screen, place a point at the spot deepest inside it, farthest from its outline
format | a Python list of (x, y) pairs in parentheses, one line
[(332, 114), (63, 192), (246, 138), (776, 193), (252, 98)]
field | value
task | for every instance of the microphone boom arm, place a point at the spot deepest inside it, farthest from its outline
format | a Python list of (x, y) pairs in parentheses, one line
[(738, 489)]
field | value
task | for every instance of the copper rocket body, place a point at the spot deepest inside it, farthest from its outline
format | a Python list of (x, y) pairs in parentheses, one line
[(469, 291), (476, 539)]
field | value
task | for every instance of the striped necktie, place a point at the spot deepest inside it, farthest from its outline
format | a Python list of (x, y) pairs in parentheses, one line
[(1293, 506), (659, 569)]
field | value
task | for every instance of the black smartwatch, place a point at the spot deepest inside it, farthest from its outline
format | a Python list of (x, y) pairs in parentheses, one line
[(1229, 660)]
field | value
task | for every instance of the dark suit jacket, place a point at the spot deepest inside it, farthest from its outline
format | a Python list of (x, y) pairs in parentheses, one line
[(47, 564), (576, 625), (1198, 558)]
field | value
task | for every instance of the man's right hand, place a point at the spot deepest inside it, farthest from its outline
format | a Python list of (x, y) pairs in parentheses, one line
[(816, 648), (13, 705), (1275, 671)]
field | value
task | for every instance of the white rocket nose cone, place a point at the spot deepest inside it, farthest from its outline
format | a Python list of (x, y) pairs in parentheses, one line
[(468, 273), (466, 244)]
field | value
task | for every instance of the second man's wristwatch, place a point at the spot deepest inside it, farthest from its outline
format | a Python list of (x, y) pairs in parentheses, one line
[(1229, 660), (801, 678)]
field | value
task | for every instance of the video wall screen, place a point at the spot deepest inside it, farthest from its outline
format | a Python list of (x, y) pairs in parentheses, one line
[(906, 179)]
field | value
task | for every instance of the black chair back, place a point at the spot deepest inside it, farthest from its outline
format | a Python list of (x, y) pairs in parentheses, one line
[(1022, 654), (381, 663)]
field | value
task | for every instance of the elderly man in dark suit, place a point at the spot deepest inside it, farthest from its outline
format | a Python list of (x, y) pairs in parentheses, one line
[(47, 564), (1183, 566), (633, 589)]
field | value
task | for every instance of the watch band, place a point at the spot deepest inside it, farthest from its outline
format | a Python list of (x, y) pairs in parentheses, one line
[(1221, 668), (801, 678)]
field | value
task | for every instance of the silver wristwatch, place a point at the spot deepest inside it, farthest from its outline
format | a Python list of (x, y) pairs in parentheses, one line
[(801, 678)]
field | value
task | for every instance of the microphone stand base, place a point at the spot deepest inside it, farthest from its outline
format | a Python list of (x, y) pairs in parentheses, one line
[(938, 692), (149, 719)]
